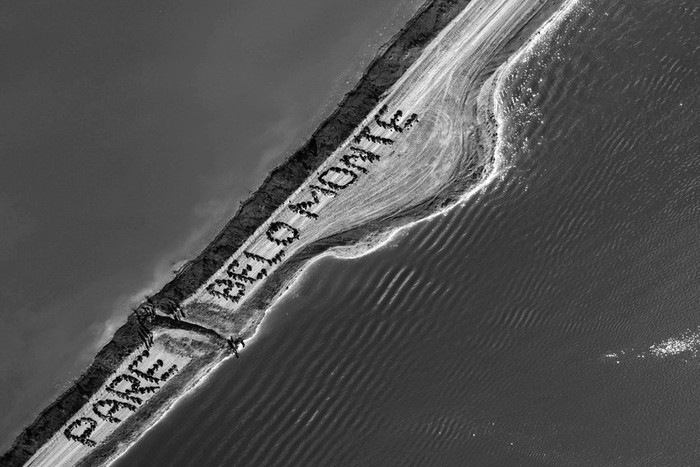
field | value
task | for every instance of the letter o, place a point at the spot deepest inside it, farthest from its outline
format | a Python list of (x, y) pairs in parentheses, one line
[(290, 235), (321, 178)]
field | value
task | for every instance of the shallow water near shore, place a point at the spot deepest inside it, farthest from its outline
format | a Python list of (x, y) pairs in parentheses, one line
[(551, 320)]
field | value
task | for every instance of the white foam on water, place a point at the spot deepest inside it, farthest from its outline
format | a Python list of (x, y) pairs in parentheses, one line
[(685, 345)]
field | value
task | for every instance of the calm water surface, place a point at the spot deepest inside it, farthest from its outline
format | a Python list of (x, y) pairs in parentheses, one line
[(552, 320), (128, 132)]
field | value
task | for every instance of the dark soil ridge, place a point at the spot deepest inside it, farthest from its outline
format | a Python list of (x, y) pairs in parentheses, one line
[(390, 64)]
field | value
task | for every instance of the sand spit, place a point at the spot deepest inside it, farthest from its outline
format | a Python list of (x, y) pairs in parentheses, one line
[(416, 136), (412, 147)]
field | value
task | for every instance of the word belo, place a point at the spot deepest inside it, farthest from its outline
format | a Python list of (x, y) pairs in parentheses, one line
[(128, 390), (331, 181)]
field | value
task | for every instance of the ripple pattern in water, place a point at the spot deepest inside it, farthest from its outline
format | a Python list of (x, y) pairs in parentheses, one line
[(483, 336)]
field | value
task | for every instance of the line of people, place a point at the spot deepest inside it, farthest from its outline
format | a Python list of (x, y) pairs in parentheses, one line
[(171, 306), (393, 124), (149, 374), (84, 437), (292, 233), (336, 186), (227, 289), (114, 407), (367, 134), (234, 343), (146, 335), (139, 358), (144, 313), (168, 373), (412, 120), (146, 309)]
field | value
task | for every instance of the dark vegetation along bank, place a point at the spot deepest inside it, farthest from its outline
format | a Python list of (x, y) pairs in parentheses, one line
[(391, 63)]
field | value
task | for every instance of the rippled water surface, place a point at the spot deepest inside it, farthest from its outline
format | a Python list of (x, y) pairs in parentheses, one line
[(552, 320)]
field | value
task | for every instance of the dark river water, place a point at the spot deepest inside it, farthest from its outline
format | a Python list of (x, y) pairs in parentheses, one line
[(129, 131), (554, 319)]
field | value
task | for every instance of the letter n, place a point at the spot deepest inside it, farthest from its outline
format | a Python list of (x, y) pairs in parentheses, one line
[(114, 407)]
